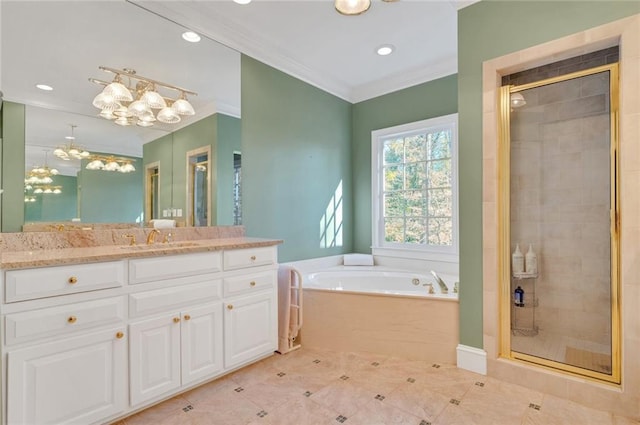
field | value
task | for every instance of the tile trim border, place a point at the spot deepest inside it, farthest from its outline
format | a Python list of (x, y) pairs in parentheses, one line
[(472, 359)]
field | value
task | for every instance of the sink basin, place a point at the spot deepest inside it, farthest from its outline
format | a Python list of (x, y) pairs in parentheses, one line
[(168, 245)]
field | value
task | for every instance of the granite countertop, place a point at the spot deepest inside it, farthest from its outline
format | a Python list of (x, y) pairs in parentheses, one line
[(21, 251)]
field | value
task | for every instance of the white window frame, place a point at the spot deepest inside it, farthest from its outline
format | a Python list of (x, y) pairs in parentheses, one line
[(423, 252)]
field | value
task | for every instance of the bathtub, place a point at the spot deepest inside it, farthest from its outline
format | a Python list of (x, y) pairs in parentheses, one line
[(380, 281), (380, 310)]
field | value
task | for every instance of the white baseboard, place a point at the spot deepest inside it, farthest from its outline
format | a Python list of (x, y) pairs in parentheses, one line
[(471, 358)]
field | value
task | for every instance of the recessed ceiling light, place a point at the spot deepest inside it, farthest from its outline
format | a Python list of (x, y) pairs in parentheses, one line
[(242, 1), (44, 87), (191, 36), (385, 50)]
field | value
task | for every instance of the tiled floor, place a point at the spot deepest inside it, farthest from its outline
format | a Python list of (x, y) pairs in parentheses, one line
[(324, 387)]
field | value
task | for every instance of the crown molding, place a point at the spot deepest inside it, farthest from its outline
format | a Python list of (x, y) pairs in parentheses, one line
[(405, 79)]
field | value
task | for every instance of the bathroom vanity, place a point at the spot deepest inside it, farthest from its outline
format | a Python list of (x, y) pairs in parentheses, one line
[(93, 334)]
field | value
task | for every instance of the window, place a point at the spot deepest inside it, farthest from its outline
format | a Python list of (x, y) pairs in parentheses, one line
[(414, 173)]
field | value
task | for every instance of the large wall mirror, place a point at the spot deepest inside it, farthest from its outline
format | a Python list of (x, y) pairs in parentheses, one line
[(62, 45)]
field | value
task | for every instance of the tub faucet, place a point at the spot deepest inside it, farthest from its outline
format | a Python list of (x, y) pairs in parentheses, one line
[(440, 282)]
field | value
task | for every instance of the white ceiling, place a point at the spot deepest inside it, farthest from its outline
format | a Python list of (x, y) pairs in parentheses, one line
[(62, 43)]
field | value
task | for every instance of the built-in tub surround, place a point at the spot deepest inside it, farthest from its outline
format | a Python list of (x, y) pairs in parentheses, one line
[(401, 320), (625, 398)]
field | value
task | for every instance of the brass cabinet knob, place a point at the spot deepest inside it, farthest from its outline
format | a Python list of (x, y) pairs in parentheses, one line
[(119, 335), (72, 280), (176, 319), (252, 283), (72, 319), (187, 317), (229, 307), (253, 258)]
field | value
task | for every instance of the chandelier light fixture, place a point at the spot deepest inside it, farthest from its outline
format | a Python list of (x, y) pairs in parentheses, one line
[(39, 180), (133, 99), (354, 7), (70, 150), (110, 163)]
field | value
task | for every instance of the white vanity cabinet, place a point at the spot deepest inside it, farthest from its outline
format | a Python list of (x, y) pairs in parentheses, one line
[(92, 343), (79, 380), (65, 357)]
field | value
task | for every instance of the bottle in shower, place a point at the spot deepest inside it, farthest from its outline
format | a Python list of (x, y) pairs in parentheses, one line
[(518, 297), (517, 261), (531, 262)]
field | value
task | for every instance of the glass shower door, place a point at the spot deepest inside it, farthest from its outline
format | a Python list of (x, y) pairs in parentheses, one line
[(560, 237)]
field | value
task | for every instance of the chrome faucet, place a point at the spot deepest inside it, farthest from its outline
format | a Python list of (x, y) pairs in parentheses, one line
[(443, 286), (151, 237)]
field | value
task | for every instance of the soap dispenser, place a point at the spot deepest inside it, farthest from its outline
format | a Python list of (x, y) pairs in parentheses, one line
[(517, 261), (531, 262)]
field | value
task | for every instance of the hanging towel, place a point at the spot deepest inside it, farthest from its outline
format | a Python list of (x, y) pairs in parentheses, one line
[(289, 307), (358, 260), (163, 224)]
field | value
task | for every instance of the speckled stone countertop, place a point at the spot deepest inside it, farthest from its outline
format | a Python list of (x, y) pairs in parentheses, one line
[(40, 249)]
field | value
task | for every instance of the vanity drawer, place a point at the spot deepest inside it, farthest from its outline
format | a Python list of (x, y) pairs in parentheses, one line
[(42, 323), (160, 268), (247, 283), (160, 300), (21, 285), (251, 257)]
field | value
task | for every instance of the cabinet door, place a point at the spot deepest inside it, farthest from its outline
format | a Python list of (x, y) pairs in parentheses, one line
[(78, 380), (201, 342), (154, 357), (250, 326)]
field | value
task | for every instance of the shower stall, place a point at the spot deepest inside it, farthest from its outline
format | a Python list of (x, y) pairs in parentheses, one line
[(559, 223)]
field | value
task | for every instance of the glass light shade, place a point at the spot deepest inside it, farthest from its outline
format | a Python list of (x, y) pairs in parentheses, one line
[(517, 100), (48, 190), (352, 7), (123, 121), (118, 91), (95, 165), (61, 154), (168, 116), (57, 191), (139, 108), (112, 166), (143, 123), (53, 171), (84, 154), (123, 111), (38, 190), (107, 114), (153, 99), (127, 168), (28, 187), (73, 152), (106, 102), (183, 107)]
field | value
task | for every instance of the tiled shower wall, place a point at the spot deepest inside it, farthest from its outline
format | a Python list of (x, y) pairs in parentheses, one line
[(560, 200)]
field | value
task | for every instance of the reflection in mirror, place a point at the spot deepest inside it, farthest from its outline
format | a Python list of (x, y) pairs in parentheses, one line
[(65, 57), (198, 186), (152, 191)]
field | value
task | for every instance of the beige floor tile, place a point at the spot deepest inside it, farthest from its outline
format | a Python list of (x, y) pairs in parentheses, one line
[(160, 412), (556, 411), (380, 413), (419, 401), (343, 397), (226, 404), (301, 411), (272, 392), (459, 415), (256, 372), (620, 420)]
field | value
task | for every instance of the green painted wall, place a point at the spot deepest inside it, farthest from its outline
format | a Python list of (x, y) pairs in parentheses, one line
[(161, 151), (296, 153), (52, 207), (109, 196), (486, 30), (13, 166), (428, 100), (228, 142)]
